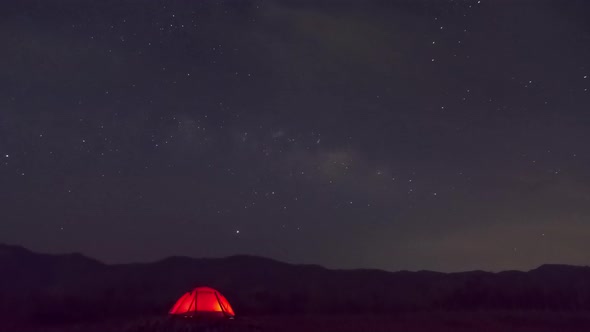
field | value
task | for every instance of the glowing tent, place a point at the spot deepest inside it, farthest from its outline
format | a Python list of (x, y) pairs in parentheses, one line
[(202, 301)]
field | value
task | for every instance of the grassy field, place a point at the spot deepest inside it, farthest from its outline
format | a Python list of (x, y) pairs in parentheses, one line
[(416, 322)]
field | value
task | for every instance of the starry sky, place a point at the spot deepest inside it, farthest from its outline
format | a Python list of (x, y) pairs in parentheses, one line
[(443, 135)]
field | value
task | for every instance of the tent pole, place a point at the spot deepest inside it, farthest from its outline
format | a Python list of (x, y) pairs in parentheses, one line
[(195, 301), (219, 302)]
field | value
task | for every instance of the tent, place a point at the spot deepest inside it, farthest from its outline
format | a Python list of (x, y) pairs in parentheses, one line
[(202, 301)]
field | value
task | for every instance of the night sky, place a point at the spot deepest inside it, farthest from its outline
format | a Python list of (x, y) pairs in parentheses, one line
[(440, 135)]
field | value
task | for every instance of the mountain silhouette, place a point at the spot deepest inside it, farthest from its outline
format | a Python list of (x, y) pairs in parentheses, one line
[(71, 287)]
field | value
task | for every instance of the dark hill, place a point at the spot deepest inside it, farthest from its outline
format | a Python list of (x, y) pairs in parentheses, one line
[(60, 288)]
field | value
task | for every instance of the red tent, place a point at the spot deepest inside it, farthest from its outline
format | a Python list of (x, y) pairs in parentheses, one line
[(202, 301)]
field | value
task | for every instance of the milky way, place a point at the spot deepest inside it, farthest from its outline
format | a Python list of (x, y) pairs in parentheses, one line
[(441, 135)]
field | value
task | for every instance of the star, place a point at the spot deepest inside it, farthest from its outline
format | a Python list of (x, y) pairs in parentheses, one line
[(166, 116)]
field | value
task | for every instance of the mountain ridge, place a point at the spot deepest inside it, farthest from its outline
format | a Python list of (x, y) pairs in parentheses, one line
[(72, 287), (9, 248)]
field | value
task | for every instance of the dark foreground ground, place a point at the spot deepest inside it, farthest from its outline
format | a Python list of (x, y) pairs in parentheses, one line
[(435, 322)]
